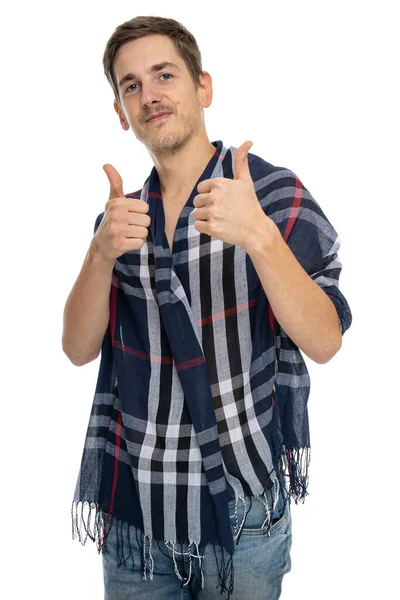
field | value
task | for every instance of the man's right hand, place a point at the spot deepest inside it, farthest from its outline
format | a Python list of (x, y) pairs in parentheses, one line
[(124, 224)]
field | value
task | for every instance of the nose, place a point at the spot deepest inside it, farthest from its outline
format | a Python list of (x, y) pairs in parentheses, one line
[(149, 94)]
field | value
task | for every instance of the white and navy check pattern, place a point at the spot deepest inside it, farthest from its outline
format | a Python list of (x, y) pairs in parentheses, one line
[(201, 397)]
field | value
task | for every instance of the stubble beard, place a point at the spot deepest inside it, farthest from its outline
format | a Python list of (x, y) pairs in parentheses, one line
[(172, 140)]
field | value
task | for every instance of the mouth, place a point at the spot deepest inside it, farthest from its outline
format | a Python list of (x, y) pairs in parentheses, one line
[(157, 119)]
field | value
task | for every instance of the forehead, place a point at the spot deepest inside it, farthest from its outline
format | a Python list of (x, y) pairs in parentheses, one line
[(138, 55)]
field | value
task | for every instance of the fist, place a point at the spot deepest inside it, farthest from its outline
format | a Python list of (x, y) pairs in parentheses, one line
[(125, 222)]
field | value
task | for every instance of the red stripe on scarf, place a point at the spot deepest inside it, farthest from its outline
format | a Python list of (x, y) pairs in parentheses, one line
[(227, 313)]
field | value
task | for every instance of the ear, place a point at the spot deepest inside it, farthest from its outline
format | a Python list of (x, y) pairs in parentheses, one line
[(120, 112), (205, 89)]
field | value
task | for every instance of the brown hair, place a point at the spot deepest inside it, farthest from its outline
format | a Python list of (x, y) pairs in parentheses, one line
[(184, 42)]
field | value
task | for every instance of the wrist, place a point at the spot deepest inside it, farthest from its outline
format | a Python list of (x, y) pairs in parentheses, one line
[(96, 256), (263, 237)]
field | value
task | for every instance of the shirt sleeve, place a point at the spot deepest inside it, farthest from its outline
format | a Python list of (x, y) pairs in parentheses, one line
[(310, 236)]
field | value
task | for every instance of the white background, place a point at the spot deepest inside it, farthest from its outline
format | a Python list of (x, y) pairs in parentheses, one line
[(325, 75)]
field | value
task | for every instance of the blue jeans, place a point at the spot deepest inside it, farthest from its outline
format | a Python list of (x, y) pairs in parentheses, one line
[(260, 562)]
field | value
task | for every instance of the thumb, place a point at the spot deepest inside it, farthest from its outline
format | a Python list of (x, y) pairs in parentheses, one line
[(242, 170), (115, 180)]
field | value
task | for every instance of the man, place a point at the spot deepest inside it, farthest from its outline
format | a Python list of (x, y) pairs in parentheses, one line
[(199, 289)]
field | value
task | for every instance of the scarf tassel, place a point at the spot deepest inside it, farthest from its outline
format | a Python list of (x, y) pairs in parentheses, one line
[(224, 572), (298, 460), (293, 467), (95, 533)]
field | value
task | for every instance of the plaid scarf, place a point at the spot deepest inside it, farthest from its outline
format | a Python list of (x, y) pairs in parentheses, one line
[(201, 397)]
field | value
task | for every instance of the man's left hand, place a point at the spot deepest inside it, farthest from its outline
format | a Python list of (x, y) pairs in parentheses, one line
[(228, 209)]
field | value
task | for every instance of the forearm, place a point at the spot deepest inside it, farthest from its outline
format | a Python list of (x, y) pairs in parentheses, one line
[(301, 307), (86, 312)]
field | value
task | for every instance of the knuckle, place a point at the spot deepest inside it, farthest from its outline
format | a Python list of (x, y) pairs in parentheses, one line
[(116, 203)]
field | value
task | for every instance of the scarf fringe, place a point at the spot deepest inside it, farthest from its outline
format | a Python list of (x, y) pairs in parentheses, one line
[(269, 510), (225, 571), (298, 460), (94, 535), (93, 531), (293, 467)]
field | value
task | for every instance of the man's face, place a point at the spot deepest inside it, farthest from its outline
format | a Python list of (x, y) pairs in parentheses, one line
[(169, 89)]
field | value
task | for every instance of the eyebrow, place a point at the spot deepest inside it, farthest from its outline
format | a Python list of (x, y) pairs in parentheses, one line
[(152, 69)]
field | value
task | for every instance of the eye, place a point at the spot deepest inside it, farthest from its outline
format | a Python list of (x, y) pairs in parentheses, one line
[(162, 75)]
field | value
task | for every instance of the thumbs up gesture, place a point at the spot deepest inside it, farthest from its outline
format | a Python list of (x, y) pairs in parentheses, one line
[(125, 222), (228, 209)]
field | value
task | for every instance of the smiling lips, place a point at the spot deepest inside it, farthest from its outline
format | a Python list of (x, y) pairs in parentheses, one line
[(158, 116)]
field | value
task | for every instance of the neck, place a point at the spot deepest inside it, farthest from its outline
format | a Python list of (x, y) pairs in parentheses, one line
[(179, 171)]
